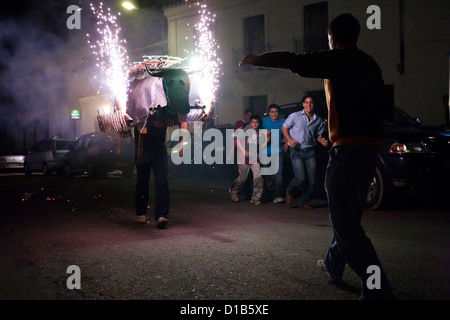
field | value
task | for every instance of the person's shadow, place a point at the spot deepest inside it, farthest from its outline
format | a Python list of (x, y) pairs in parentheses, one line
[(344, 286)]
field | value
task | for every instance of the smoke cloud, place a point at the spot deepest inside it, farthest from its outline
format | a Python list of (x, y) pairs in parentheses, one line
[(45, 68), (41, 66)]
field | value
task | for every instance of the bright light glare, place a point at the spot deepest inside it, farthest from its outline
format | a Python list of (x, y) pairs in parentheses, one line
[(196, 63), (128, 5), (106, 109)]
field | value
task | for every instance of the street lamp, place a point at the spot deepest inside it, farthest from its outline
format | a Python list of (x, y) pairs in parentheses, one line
[(128, 5)]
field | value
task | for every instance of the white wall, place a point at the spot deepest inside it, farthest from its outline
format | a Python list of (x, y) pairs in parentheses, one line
[(418, 90)]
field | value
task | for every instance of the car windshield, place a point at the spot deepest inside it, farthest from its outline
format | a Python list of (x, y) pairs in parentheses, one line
[(401, 118), (64, 145)]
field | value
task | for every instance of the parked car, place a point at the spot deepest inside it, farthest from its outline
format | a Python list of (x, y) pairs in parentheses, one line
[(98, 153), (412, 158), (47, 156), (12, 162)]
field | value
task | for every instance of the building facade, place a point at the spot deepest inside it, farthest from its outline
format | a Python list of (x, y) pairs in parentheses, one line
[(408, 38)]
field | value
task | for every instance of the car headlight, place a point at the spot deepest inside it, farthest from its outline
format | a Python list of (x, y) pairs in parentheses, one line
[(401, 148)]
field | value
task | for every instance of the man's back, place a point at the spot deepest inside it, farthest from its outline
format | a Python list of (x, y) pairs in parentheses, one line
[(357, 86)]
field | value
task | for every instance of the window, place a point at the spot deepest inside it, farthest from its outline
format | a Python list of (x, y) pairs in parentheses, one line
[(258, 104), (254, 36), (316, 25), (254, 42)]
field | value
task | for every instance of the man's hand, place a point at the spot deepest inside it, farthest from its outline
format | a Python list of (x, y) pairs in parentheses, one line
[(247, 59), (323, 141), (292, 143)]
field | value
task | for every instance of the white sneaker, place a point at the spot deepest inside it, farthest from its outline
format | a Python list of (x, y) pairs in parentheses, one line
[(255, 202), (278, 200), (141, 219)]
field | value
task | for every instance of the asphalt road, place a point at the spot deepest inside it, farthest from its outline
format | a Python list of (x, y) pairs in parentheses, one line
[(213, 249)]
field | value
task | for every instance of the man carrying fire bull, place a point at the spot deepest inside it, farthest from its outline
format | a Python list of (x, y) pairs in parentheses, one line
[(155, 103)]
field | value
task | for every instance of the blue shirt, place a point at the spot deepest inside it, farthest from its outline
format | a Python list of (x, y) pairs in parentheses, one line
[(302, 130), (271, 125)]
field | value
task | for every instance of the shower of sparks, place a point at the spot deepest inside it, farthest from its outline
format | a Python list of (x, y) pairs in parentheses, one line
[(206, 48), (111, 55)]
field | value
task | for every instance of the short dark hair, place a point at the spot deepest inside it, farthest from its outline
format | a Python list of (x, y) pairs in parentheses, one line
[(306, 97), (345, 29), (255, 116), (247, 111), (273, 106)]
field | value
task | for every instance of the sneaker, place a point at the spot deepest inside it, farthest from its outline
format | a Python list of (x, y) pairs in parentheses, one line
[(278, 200), (321, 265), (306, 206), (234, 197), (161, 223), (141, 219), (255, 202)]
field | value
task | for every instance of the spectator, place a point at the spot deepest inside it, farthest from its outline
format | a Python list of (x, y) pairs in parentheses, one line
[(248, 145), (274, 122), (301, 130), (241, 124)]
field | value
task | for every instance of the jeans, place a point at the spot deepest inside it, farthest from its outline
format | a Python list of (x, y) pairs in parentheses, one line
[(278, 181), (258, 182), (349, 173), (162, 200), (304, 167)]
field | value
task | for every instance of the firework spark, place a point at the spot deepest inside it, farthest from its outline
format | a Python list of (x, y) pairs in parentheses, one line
[(111, 55), (206, 47)]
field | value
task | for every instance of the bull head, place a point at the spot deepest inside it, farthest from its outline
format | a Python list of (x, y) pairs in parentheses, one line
[(177, 86)]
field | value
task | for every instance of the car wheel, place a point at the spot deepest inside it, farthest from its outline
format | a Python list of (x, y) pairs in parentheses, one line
[(96, 171), (45, 169), (101, 173), (27, 170), (379, 192), (128, 171), (91, 170)]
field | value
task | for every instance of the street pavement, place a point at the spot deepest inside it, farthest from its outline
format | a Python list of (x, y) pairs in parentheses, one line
[(212, 250)]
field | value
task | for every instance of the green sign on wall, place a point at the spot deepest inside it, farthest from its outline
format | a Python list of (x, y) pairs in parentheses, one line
[(75, 114)]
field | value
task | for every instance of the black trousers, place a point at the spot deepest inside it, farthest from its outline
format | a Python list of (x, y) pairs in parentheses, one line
[(162, 199), (349, 173), (153, 157)]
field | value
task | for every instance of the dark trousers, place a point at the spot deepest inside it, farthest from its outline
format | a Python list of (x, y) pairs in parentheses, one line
[(349, 174), (162, 200)]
